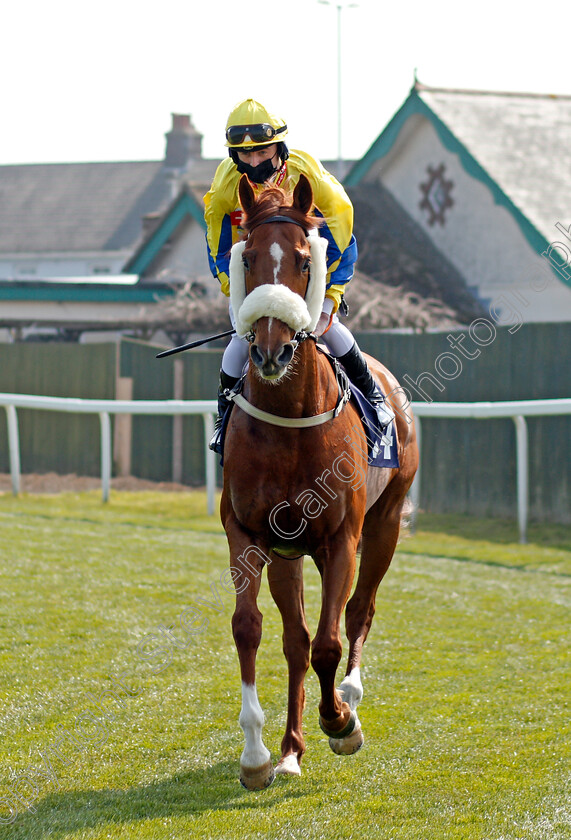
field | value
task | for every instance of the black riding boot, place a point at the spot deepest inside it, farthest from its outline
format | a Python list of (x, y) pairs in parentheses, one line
[(226, 384), (358, 372)]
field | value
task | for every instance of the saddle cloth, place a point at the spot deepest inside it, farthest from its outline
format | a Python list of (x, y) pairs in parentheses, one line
[(381, 446)]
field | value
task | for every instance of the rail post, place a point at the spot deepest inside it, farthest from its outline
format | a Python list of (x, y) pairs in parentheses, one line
[(522, 466), (13, 447), (210, 462), (105, 454), (414, 492)]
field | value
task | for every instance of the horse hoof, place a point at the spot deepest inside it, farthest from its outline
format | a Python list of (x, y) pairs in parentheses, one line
[(288, 766), (348, 745), (257, 778), (352, 723)]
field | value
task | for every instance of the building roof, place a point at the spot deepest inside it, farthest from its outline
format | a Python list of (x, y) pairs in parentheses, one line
[(79, 208), (86, 207), (523, 142), (76, 206), (97, 207), (516, 143), (92, 207)]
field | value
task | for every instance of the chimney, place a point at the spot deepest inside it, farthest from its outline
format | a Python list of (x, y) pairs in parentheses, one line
[(184, 143)]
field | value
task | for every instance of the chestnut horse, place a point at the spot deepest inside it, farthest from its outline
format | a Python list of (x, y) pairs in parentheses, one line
[(297, 481)]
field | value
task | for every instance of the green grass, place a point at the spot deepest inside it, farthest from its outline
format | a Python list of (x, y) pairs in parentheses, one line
[(465, 674)]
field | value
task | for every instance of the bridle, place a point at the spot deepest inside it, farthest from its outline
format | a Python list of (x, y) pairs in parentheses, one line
[(280, 218), (343, 387), (300, 335)]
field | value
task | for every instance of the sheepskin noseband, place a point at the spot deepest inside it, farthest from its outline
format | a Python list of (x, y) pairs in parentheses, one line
[(276, 300)]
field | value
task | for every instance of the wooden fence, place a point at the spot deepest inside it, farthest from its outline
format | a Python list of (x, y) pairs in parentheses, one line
[(468, 466), (53, 442)]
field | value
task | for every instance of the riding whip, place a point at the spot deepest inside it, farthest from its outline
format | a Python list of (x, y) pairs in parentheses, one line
[(193, 344)]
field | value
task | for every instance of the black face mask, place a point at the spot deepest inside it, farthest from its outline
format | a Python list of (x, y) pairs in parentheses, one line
[(257, 174)]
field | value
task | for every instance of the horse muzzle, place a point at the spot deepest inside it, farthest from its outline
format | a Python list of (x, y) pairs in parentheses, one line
[(272, 363)]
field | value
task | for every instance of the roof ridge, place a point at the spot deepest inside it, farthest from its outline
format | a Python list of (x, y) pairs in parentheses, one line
[(79, 163), (419, 87)]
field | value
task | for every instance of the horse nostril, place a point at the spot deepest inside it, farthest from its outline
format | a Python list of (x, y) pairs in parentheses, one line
[(256, 355), (286, 354)]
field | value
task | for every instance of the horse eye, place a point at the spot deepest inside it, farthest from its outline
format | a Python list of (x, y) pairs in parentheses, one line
[(305, 264), (245, 262)]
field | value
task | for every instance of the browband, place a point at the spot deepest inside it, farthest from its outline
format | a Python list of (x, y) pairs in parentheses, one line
[(282, 219)]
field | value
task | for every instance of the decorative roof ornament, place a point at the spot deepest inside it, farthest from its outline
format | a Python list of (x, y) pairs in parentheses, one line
[(436, 191)]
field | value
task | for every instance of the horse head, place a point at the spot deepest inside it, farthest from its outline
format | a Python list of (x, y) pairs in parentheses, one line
[(276, 299)]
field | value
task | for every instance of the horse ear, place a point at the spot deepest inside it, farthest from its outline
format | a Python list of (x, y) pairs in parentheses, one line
[(246, 193), (303, 195)]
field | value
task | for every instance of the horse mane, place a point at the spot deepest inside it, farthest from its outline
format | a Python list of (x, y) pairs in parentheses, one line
[(274, 201)]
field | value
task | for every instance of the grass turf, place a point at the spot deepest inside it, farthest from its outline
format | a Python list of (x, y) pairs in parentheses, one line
[(465, 675)]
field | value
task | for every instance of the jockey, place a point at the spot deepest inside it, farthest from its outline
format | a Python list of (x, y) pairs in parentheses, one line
[(254, 138)]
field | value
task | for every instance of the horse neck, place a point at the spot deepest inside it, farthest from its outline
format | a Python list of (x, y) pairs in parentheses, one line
[(301, 392)]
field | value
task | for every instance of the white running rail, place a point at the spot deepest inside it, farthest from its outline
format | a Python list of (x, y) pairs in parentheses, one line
[(104, 408), (517, 410)]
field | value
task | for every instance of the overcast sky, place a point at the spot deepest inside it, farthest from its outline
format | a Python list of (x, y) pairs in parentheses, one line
[(98, 81)]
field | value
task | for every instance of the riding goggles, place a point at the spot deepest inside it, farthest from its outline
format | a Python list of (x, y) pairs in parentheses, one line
[(261, 133)]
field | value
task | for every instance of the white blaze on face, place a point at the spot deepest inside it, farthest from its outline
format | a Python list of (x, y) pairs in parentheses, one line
[(277, 254)]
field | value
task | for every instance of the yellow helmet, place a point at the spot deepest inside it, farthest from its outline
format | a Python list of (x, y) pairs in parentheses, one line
[(250, 124)]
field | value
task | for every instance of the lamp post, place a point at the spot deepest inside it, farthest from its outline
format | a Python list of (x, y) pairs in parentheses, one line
[(339, 4)]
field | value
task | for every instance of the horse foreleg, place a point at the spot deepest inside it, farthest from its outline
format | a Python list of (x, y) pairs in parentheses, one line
[(337, 568), (247, 562), (286, 585), (256, 770)]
